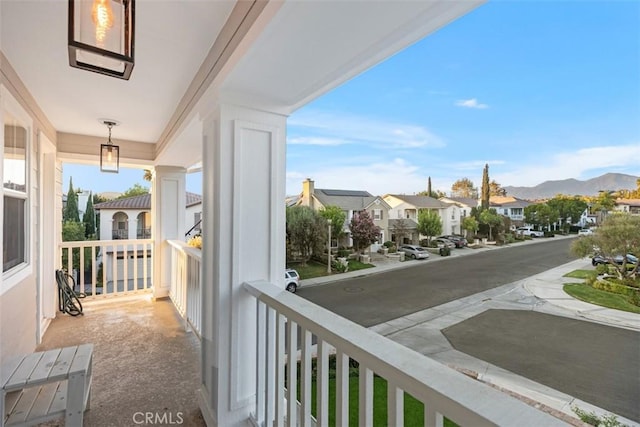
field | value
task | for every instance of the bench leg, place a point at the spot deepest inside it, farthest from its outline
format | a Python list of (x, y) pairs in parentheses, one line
[(75, 400)]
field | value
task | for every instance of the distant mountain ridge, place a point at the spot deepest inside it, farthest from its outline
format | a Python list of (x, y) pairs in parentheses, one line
[(574, 187)]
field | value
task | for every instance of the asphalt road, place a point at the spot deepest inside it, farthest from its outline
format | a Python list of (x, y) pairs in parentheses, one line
[(374, 299)]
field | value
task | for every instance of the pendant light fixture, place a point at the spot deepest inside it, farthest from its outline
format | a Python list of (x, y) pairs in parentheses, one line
[(109, 153), (101, 36)]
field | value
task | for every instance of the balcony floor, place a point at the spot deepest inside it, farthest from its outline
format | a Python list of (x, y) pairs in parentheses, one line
[(144, 361)]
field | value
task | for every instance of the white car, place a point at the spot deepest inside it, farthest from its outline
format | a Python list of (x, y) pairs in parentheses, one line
[(527, 231), (291, 280), (414, 251), (585, 232)]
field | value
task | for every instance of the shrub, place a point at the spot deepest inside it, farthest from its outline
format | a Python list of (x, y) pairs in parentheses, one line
[(593, 418), (340, 267), (343, 253), (388, 244), (549, 234), (614, 287), (445, 251)]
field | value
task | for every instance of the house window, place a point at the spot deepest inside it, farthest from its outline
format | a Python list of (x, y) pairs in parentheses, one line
[(506, 211), (377, 214), (14, 183)]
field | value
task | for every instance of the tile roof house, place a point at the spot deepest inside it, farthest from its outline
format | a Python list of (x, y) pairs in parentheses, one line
[(511, 207), (631, 206), (350, 201), (130, 217)]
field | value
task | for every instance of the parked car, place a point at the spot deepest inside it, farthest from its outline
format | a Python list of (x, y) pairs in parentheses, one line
[(459, 241), (585, 232), (414, 251), (444, 243), (528, 231), (291, 280), (618, 259)]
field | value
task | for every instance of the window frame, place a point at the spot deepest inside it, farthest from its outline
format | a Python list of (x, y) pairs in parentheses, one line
[(11, 112)]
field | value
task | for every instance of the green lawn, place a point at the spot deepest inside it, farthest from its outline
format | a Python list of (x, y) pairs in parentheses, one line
[(591, 295), (413, 409), (316, 269), (580, 274)]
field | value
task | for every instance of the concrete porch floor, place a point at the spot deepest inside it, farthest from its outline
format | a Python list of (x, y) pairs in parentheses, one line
[(144, 361)]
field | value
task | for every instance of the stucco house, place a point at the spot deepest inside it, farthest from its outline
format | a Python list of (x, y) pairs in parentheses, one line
[(631, 206), (213, 85), (130, 218), (511, 207), (350, 201), (406, 208)]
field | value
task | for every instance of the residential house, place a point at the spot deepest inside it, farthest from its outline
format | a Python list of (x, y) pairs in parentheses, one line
[(404, 213), (130, 217), (213, 85), (351, 202), (464, 203), (511, 207), (631, 206)]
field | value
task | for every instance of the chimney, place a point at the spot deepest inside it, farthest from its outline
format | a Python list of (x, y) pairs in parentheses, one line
[(307, 192)]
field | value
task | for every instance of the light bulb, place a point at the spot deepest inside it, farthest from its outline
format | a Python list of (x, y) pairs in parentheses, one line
[(109, 155), (102, 16)]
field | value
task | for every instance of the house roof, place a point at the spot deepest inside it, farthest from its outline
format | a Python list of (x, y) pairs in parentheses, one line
[(143, 202), (421, 201), (409, 224), (508, 202), (467, 201), (345, 199), (628, 202)]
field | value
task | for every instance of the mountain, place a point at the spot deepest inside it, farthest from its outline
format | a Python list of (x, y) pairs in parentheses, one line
[(590, 187)]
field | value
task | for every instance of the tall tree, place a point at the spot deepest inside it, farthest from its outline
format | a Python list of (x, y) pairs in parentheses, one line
[(363, 231), (464, 188), (306, 231), (71, 209), (136, 190), (429, 188), (89, 219), (569, 208), (485, 188), (496, 189), (429, 223)]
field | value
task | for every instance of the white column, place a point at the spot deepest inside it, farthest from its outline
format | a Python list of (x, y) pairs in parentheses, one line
[(168, 204), (243, 240), (133, 223)]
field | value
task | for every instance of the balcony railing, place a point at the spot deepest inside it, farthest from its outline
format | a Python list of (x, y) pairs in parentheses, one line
[(143, 233), (104, 268), (185, 291), (283, 317), (120, 234)]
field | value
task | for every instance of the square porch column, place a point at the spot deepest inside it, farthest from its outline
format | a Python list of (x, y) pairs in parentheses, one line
[(243, 240), (168, 205)]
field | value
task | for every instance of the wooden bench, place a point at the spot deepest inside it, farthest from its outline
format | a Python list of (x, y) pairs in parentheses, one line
[(47, 385)]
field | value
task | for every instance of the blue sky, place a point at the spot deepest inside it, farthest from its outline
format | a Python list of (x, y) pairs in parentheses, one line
[(539, 90)]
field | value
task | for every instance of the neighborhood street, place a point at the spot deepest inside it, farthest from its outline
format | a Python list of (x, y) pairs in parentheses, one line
[(375, 299), (595, 363)]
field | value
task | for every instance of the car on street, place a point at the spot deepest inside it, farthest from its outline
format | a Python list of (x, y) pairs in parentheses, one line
[(291, 280), (414, 251), (528, 231), (585, 232), (444, 243), (459, 241), (618, 259)]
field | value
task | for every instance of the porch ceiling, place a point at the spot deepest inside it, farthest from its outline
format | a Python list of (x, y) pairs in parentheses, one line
[(276, 57)]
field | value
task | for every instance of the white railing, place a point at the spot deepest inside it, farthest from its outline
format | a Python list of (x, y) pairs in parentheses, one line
[(102, 268), (185, 291), (284, 318)]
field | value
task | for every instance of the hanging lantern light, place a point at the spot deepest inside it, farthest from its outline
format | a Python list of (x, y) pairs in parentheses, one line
[(101, 36), (109, 153)]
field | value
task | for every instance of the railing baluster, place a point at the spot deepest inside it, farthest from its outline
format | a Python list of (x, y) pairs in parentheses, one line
[(395, 405), (305, 379), (292, 374), (80, 281), (280, 369), (322, 382), (431, 417), (125, 268), (135, 267), (270, 364), (365, 397), (342, 389), (261, 362)]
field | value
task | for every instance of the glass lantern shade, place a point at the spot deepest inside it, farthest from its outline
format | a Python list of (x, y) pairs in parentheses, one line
[(101, 36), (109, 158)]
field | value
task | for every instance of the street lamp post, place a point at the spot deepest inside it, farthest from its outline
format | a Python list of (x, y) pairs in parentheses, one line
[(329, 248)]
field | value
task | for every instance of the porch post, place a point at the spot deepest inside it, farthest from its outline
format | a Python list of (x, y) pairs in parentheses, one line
[(168, 204), (243, 240)]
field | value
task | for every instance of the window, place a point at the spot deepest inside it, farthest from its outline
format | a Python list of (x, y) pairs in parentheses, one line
[(14, 183), (377, 214)]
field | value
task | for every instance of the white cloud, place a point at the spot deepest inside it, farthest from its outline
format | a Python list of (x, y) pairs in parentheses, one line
[(379, 178), (471, 103), (543, 166), (319, 125)]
